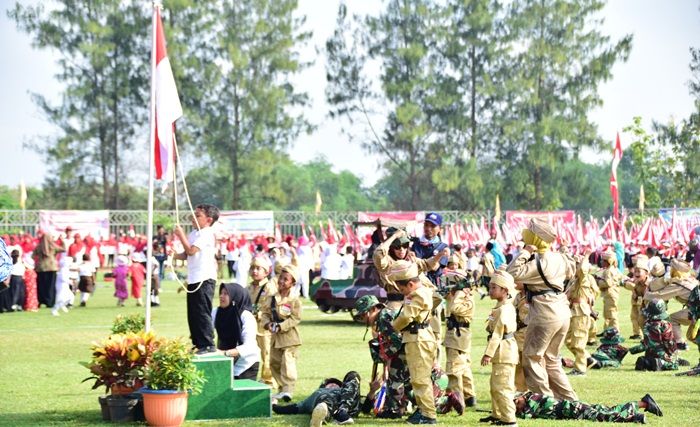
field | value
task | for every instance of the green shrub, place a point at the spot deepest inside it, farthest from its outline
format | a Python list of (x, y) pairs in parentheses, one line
[(172, 368), (131, 323)]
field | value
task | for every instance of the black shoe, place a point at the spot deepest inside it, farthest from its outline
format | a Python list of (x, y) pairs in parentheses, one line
[(682, 346), (470, 402), (421, 419), (652, 406), (591, 363), (600, 335), (342, 417), (640, 418), (488, 419), (155, 304), (414, 416), (683, 362), (285, 409), (635, 337), (389, 415), (205, 350), (591, 343), (82, 303), (504, 423)]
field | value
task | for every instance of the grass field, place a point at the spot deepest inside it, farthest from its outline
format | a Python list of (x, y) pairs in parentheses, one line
[(40, 377)]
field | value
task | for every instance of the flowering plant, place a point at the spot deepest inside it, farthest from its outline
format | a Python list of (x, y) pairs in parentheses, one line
[(121, 359)]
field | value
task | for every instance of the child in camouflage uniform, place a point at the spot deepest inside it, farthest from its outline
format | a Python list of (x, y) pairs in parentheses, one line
[(534, 405), (693, 336), (386, 347), (334, 400), (658, 344), (610, 353)]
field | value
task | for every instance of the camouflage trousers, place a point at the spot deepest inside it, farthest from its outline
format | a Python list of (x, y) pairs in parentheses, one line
[(605, 361), (398, 385), (576, 410), (348, 398)]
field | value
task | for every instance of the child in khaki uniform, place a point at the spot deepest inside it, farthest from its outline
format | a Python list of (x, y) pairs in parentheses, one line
[(418, 339), (501, 350), (581, 296), (260, 289), (609, 279), (458, 341), (281, 316)]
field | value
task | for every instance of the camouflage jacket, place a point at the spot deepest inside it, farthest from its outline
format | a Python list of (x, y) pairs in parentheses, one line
[(658, 341), (611, 351), (389, 339), (538, 406)]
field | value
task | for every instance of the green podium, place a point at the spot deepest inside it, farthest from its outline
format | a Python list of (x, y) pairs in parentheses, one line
[(222, 397)]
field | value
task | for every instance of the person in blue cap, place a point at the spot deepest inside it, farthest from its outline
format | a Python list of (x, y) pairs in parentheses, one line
[(430, 244)]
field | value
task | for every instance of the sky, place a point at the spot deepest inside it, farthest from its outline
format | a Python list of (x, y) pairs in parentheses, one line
[(651, 84)]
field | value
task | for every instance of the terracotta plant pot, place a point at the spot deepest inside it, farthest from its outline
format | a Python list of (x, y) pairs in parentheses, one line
[(164, 408)]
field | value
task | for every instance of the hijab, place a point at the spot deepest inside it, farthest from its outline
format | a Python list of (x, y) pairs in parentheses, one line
[(228, 323)]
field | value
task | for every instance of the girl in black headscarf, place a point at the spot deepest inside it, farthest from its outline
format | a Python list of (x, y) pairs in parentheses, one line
[(235, 329)]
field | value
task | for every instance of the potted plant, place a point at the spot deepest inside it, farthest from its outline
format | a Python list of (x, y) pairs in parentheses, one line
[(170, 376), (118, 364)]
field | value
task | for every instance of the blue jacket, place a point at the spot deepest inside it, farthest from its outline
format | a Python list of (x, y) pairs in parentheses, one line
[(425, 251)]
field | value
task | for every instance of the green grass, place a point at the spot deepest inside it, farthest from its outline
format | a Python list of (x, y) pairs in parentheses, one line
[(40, 378)]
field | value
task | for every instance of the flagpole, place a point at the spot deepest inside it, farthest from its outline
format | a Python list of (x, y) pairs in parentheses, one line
[(151, 172)]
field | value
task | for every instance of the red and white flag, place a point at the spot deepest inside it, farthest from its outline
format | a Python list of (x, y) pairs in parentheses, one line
[(167, 106), (614, 193)]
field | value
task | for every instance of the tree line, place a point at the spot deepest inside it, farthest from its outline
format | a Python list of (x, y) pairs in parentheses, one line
[(461, 99)]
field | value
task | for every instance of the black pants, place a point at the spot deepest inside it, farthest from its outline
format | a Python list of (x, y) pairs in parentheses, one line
[(18, 290), (199, 306), (231, 268), (46, 287), (250, 373)]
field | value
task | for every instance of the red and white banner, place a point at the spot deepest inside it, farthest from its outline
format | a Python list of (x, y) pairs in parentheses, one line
[(248, 223), (168, 108), (412, 221), (85, 223), (521, 218)]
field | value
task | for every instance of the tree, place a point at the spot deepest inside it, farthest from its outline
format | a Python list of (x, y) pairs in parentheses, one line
[(560, 59), (238, 75), (102, 46), (400, 41)]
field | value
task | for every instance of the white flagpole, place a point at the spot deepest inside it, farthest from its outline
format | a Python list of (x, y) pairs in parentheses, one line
[(151, 173)]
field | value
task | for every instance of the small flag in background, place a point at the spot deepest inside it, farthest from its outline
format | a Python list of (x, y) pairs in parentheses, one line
[(22, 195), (319, 202), (641, 198), (497, 212), (168, 108), (614, 189)]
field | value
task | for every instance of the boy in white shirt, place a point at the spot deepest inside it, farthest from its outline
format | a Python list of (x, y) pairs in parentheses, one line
[(200, 253)]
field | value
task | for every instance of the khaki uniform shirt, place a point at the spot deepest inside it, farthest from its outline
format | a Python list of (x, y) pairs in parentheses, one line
[(289, 312), (556, 267), (638, 291), (677, 288), (581, 295), (460, 304), (609, 281), (522, 310), (501, 322), (383, 262), (489, 265), (416, 308), (259, 295)]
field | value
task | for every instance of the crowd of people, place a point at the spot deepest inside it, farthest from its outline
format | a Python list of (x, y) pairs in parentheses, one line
[(544, 295)]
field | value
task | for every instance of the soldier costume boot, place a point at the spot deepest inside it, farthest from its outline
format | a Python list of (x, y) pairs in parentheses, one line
[(652, 406), (470, 402), (285, 409), (640, 418)]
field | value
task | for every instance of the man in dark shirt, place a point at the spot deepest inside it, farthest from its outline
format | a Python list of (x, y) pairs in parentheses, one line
[(430, 244)]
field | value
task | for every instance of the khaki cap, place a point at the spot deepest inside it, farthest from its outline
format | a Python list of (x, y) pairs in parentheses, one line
[(262, 262), (641, 261), (680, 266), (504, 280), (542, 229), (292, 270), (610, 257), (402, 270)]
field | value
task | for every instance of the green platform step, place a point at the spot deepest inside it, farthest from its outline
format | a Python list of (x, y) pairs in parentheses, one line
[(224, 398)]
